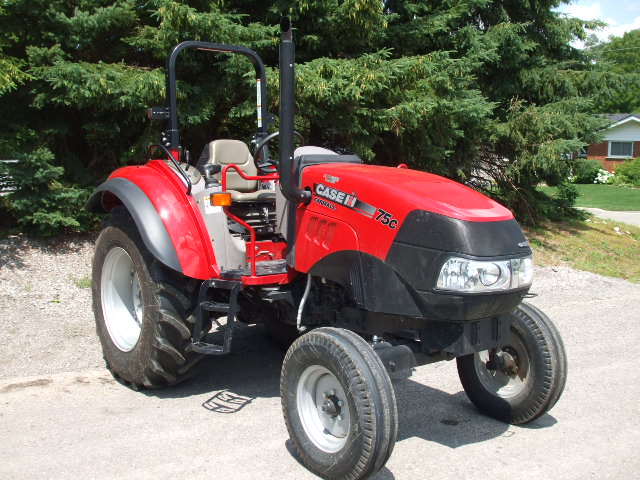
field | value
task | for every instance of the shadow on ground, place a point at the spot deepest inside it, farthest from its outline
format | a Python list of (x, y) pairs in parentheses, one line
[(252, 371)]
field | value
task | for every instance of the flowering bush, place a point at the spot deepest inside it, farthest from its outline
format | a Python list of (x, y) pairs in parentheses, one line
[(584, 170), (604, 177)]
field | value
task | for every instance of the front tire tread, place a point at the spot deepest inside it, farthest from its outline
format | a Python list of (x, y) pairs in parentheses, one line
[(546, 376), (371, 402)]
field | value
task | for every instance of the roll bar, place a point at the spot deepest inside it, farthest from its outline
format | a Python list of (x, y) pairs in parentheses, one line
[(171, 113), (288, 184)]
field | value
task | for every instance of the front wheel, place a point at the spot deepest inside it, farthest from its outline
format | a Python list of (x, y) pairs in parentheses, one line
[(338, 404), (524, 378)]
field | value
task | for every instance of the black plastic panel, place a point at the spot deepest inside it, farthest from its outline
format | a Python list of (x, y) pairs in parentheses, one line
[(307, 160), (482, 239), (465, 338), (377, 286), (373, 284), (419, 268), (152, 230)]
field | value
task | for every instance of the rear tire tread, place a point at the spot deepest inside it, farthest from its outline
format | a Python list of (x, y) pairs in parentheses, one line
[(175, 323), (162, 357), (164, 346)]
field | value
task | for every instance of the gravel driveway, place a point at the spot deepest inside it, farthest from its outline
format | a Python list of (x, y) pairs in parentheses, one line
[(62, 416), (45, 306)]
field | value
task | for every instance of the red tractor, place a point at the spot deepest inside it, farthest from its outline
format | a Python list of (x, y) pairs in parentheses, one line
[(366, 269)]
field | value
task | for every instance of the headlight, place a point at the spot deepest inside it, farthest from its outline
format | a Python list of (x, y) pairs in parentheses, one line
[(465, 275)]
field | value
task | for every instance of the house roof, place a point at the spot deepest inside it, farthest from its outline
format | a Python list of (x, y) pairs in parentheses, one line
[(620, 118)]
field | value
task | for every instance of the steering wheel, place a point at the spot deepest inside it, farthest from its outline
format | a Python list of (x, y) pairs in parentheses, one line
[(264, 142)]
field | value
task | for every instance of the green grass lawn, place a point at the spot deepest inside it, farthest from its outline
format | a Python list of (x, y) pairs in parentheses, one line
[(606, 197), (595, 246)]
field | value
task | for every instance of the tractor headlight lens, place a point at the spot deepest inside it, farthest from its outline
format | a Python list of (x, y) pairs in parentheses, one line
[(466, 275), (524, 267), (490, 275)]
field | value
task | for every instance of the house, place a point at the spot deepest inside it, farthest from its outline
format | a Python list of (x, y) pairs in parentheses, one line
[(621, 141)]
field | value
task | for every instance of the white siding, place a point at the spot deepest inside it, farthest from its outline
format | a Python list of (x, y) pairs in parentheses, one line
[(627, 132)]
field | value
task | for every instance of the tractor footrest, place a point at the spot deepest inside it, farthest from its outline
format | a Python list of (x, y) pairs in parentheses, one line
[(267, 267), (208, 348), (271, 267)]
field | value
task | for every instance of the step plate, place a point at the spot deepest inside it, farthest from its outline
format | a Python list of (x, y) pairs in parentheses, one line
[(207, 348), (215, 307)]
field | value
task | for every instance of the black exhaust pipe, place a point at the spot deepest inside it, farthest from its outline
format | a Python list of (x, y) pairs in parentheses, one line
[(288, 184)]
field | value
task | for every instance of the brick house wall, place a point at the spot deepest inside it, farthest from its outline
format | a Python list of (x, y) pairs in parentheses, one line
[(599, 151)]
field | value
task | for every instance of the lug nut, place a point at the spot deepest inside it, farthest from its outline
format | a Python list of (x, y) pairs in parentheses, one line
[(340, 403)]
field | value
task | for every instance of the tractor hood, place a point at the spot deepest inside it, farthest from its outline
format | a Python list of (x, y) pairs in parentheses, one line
[(402, 226), (400, 191), (385, 204)]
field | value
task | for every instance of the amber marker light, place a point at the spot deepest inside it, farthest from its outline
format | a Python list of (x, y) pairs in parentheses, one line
[(222, 199)]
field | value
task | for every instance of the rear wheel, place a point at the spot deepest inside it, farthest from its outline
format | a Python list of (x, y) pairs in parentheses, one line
[(524, 378), (144, 311), (338, 404)]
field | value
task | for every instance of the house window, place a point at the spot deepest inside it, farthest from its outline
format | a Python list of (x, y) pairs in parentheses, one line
[(621, 149)]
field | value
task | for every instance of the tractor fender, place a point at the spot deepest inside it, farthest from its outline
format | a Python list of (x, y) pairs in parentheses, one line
[(152, 230), (165, 217)]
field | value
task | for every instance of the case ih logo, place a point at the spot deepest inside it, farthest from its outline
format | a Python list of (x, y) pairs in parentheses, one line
[(348, 200), (331, 179)]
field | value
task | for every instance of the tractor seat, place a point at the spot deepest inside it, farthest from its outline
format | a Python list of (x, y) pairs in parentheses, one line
[(227, 152)]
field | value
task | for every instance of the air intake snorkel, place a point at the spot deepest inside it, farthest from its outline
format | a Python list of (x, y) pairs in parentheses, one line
[(288, 183)]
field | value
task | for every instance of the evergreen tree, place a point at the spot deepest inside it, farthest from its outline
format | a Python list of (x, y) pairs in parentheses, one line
[(77, 78), (486, 92)]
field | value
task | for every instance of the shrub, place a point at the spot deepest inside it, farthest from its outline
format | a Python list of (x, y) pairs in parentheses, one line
[(604, 176), (44, 203), (561, 206), (629, 173), (567, 194), (585, 170)]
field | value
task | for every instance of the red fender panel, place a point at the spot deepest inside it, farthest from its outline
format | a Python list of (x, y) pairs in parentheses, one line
[(179, 214)]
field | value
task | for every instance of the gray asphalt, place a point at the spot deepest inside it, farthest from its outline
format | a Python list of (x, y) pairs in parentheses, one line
[(227, 422), (631, 218)]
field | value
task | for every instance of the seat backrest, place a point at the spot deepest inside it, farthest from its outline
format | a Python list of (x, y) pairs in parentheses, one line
[(226, 152)]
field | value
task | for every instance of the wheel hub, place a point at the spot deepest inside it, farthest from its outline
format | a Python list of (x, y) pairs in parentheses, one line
[(121, 298), (323, 408), (331, 405), (504, 361), (504, 371)]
